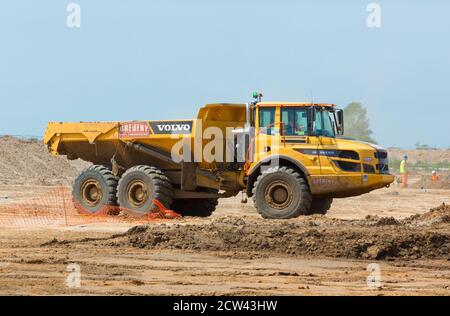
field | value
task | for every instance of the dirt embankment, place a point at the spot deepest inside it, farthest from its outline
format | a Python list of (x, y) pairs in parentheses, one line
[(414, 155), (425, 182), (419, 236), (29, 162)]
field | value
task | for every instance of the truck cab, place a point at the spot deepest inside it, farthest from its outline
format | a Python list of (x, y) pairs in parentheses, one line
[(308, 138)]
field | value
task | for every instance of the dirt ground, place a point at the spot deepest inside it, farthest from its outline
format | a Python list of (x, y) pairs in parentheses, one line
[(234, 252)]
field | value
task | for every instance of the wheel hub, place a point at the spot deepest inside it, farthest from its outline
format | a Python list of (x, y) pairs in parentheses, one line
[(278, 194), (137, 193), (91, 191)]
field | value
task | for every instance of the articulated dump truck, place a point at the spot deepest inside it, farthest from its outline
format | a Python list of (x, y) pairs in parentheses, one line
[(291, 158)]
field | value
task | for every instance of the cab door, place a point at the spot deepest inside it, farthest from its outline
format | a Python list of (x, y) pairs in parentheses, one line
[(296, 138), (327, 142), (333, 160)]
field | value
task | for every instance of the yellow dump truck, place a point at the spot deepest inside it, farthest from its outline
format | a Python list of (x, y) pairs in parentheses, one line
[(290, 157)]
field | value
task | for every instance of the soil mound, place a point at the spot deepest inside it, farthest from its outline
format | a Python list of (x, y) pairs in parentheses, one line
[(372, 238), (29, 162), (437, 215)]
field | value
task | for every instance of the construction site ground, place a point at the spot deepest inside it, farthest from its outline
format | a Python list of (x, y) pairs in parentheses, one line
[(233, 252)]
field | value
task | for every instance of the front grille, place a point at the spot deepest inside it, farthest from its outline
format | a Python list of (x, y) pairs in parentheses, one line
[(348, 154), (383, 162), (348, 166)]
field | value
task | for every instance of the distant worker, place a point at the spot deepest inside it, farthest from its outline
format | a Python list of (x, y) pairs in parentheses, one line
[(434, 176), (404, 171)]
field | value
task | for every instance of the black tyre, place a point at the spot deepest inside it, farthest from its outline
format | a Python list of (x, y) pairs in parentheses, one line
[(94, 191), (280, 192), (320, 205), (195, 207), (139, 185)]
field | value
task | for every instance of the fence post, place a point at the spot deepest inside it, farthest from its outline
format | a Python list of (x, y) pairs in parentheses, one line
[(64, 204)]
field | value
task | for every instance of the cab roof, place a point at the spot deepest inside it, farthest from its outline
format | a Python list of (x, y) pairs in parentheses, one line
[(275, 103)]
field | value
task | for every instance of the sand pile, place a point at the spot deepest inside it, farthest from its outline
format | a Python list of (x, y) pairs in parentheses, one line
[(29, 162)]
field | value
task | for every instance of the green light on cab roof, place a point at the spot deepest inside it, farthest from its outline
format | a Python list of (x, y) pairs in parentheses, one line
[(255, 94)]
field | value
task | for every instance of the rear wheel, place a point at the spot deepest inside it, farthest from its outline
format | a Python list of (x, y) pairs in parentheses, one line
[(94, 191), (139, 185), (280, 192), (320, 205)]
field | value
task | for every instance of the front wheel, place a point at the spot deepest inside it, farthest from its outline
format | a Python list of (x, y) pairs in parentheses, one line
[(280, 193)]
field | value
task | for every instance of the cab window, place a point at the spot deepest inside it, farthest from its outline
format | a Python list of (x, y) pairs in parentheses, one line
[(294, 121), (325, 125), (266, 120)]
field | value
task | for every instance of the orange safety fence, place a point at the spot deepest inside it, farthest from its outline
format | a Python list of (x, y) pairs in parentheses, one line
[(54, 208)]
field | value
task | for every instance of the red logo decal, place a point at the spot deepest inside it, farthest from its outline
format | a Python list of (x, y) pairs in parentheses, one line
[(134, 129)]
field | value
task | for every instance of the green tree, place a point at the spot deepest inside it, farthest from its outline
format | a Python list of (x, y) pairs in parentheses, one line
[(356, 122)]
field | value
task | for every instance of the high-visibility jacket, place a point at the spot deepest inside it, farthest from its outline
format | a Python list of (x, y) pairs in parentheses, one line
[(403, 166)]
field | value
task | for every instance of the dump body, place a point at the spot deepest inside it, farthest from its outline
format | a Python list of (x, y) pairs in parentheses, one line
[(84, 140), (158, 143)]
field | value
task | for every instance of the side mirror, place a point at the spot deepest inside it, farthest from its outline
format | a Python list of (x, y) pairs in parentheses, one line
[(312, 121), (340, 122)]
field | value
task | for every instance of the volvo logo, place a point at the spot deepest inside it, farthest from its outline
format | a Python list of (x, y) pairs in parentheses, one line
[(173, 127), (179, 127)]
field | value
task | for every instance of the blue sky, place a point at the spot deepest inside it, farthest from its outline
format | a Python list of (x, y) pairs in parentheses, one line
[(164, 59)]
